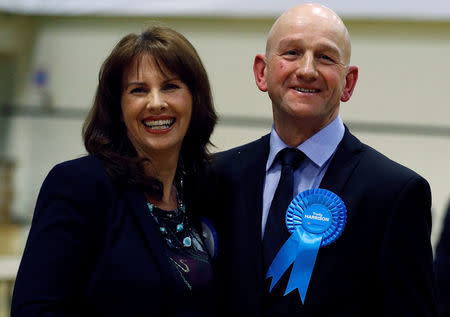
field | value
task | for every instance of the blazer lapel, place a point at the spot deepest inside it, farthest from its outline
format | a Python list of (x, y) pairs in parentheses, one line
[(255, 175), (342, 164), (254, 186), (145, 222)]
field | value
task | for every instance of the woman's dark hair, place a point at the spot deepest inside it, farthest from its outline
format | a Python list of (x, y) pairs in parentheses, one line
[(105, 133)]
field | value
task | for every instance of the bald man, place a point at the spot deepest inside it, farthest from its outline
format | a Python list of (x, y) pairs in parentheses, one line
[(381, 265)]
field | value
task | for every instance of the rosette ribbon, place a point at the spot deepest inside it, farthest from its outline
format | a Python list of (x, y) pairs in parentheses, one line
[(315, 218)]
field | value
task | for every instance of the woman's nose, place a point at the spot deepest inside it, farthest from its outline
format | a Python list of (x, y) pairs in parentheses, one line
[(156, 101)]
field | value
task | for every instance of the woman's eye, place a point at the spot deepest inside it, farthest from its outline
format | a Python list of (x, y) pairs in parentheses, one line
[(171, 86), (137, 90)]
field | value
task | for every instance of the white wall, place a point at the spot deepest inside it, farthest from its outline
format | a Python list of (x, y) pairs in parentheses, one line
[(415, 9), (403, 80)]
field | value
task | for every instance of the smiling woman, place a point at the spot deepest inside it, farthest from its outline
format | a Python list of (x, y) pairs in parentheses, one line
[(160, 57), (156, 108), (117, 233)]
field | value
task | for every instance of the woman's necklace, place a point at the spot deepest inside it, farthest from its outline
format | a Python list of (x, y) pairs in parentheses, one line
[(173, 224)]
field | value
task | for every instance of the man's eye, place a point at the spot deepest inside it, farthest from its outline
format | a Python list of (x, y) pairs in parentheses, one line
[(326, 57), (291, 52)]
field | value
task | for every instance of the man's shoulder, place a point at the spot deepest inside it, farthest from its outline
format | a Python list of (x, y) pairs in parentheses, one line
[(384, 166), (381, 161), (248, 150), (372, 166)]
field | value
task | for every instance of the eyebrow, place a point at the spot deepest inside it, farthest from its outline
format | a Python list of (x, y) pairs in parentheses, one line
[(319, 46), (134, 83), (141, 83)]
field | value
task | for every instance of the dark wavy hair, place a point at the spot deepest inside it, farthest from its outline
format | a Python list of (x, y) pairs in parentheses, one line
[(105, 133)]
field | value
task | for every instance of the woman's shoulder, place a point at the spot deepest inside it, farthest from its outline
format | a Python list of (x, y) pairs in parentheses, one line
[(87, 163), (75, 189), (88, 166), (85, 174)]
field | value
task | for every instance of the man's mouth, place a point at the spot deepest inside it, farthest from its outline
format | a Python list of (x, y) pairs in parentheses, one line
[(159, 124), (307, 90)]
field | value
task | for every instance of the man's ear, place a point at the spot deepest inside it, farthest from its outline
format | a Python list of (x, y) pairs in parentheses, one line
[(259, 67), (350, 83)]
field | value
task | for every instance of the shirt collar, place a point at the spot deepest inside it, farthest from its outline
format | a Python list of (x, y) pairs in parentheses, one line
[(318, 148)]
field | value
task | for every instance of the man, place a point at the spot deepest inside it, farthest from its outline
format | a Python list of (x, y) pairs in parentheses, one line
[(442, 267), (381, 265)]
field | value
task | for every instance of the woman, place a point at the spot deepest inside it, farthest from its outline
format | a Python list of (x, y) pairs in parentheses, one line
[(115, 233)]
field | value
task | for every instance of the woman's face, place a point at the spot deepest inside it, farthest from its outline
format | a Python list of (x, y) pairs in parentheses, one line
[(156, 108)]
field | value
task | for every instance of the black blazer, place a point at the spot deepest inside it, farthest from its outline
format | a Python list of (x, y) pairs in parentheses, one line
[(442, 262), (93, 250), (380, 266)]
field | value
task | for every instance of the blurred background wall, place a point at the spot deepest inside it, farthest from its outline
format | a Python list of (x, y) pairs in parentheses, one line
[(49, 65)]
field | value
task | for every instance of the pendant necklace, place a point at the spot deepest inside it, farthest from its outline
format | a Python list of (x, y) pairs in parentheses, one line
[(173, 224)]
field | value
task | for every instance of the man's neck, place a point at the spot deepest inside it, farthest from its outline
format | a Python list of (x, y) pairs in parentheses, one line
[(295, 132)]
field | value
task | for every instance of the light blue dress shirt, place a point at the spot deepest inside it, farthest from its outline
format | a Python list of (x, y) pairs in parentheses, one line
[(319, 149)]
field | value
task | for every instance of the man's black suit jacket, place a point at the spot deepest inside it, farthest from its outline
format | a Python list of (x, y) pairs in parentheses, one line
[(442, 267), (380, 266)]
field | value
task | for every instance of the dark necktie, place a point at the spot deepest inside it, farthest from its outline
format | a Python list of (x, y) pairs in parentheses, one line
[(276, 232)]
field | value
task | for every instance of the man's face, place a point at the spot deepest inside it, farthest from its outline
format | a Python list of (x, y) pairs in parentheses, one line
[(306, 70)]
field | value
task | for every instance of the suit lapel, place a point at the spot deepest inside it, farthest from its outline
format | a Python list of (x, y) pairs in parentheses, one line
[(255, 175), (136, 200), (342, 164), (335, 179)]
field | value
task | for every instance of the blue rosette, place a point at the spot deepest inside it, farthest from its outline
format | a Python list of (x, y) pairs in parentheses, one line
[(315, 218), (209, 235)]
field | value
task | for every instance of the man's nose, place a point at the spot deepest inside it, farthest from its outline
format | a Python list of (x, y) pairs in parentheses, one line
[(307, 67)]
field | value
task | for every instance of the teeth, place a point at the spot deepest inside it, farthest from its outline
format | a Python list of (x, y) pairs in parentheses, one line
[(306, 90), (159, 124)]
